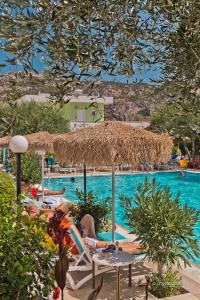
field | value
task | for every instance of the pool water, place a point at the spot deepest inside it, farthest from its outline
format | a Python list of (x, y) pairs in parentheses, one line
[(188, 186)]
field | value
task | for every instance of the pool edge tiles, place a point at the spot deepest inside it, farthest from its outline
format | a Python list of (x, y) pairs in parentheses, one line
[(91, 173)]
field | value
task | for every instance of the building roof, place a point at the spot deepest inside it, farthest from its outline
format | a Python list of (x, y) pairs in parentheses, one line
[(45, 97)]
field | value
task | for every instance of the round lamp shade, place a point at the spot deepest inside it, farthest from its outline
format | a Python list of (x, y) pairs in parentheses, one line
[(18, 144)]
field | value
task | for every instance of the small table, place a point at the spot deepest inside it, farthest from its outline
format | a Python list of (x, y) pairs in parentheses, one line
[(116, 261)]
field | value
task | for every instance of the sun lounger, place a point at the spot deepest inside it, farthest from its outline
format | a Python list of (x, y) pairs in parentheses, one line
[(67, 170), (54, 201), (83, 261), (165, 167), (49, 202)]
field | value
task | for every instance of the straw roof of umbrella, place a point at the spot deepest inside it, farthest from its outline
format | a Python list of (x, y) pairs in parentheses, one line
[(41, 140), (37, 141), (4, 141), (112, 143)]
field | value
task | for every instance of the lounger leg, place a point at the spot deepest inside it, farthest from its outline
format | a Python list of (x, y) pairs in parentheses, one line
[(93, 274), (118, 283), (130, 274)]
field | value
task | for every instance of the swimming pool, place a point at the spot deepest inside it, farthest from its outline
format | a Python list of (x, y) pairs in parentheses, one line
[(188, 186)]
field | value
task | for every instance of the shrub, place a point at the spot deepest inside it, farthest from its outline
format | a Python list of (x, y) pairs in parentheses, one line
[(164, 226), (28, 117), (31, 167), (100, 211), (176, 150), (7, 189), (166, 285), (26, 267)]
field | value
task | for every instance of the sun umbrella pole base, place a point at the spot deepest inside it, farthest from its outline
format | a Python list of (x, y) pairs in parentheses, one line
[(113, 203)]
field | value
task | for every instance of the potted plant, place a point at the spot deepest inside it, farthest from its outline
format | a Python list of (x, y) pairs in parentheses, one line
[(165, 228)]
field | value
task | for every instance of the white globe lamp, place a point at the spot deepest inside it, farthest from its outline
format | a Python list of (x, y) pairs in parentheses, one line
[(18, 145)]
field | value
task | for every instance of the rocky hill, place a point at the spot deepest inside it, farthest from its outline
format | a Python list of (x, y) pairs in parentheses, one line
[(131, 101)]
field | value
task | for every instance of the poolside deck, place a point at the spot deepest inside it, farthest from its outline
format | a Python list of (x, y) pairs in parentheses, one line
[(190, 278), (137, 291)]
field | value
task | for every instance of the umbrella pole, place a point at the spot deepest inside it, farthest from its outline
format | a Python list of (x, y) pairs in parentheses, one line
[(85, 180), (43, 177), (113, 203)]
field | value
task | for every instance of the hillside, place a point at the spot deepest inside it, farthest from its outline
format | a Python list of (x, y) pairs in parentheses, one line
[(131, 102)]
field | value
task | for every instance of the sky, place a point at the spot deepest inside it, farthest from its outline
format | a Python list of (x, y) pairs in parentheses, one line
[(144, 75)]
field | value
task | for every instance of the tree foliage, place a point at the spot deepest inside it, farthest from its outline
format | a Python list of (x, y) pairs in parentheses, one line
[(180, 121), (75, 40), (163, 225), (29, 117), (174, 45), (89, 39)]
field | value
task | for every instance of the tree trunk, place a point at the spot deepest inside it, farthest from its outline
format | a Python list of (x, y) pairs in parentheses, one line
[(187, 150), (160, 268)]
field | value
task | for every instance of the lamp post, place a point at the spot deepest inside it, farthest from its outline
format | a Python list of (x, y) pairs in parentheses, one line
[(18, 145)]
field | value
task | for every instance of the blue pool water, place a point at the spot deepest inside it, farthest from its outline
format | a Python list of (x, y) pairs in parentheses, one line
[(188, 186)]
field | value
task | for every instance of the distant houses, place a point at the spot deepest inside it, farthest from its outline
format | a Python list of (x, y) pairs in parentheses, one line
[(82, 110)]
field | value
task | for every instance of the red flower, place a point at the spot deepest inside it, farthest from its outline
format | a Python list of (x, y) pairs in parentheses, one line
[(56, 293)]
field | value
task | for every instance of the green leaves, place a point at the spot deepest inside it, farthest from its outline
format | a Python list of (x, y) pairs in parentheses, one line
[(7, 192), (26, 266), (181, 121), (99, 210), (175, 27), (29, 117), (164, 227), (166, 285), (74, 36), (31, 168)]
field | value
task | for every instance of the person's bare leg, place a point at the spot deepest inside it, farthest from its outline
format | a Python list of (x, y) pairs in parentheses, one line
[(87, 222)]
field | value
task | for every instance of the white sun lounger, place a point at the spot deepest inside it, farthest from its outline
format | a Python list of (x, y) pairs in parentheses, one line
[(83, 261)]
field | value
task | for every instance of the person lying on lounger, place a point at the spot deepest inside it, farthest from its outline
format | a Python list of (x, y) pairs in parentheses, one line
[(47, 192), (59, 222), (87, 231)]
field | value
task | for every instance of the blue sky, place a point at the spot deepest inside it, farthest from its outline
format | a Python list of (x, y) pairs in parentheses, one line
[(145, 75)]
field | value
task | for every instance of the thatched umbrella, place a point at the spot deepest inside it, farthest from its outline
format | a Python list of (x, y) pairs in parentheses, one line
[(41, 141), (112, 143), (4, 141), (37, 141)]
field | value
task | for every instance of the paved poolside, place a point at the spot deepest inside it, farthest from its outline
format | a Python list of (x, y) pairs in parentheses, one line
[(137, 291)]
